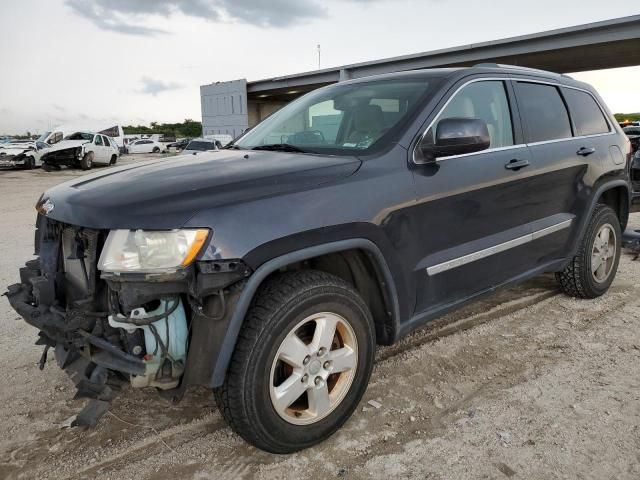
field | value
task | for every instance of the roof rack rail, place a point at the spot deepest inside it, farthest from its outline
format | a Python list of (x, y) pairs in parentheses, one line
[(518, 67)]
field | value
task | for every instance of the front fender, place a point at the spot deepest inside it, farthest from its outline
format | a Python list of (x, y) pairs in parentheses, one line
[(254, 282)]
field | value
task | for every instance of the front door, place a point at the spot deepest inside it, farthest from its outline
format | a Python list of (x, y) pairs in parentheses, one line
[(477, 213)]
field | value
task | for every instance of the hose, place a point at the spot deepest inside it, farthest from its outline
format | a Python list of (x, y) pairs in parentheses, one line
[(148, 320)]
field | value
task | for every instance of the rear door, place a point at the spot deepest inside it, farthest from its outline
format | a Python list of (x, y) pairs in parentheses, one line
[(476, 212), (562, 154)]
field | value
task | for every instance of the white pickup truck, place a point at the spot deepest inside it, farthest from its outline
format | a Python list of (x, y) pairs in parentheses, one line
[(82, 149)]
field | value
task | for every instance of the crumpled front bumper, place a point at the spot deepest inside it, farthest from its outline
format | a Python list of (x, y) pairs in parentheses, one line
[(8, 161), (89, 360), (73, 318)]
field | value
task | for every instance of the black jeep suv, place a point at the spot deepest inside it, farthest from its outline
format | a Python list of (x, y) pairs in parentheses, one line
[(270, 270)]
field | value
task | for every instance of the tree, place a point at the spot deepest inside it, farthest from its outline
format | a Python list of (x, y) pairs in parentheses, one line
[(189, 128), (632, 117)]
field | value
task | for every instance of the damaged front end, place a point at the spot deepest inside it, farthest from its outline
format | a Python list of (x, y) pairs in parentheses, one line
[(63, 157), (13, 159), (158, 330)]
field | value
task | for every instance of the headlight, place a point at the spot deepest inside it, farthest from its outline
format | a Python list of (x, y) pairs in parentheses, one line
[(145, 251)]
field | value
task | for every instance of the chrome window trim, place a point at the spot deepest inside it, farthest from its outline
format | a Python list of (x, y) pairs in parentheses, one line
[(509, 78), (499, 248), (555, 84), (581, 137), (504, 79)]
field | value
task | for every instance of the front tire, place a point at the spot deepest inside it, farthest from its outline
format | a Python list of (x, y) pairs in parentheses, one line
[(29, 163), (593, 269), (302, 362), (87, 161), (156, 150)]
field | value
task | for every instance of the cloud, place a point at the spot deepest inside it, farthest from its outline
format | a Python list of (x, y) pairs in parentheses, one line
[(110, 19), (153, 87), (126, 16)]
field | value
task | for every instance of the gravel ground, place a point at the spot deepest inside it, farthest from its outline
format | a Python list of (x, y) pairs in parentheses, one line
[(527, 383)]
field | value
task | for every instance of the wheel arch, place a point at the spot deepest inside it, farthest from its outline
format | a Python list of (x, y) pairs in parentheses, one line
[(618, 198), (358, 255), (614, 193)]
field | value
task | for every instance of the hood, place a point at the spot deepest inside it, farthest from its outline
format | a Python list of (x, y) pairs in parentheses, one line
[(15, 149), (61, 145), (12, 150), (165, 194)]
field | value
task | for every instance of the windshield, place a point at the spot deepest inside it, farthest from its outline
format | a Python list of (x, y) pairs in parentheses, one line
[(201, 146), (342, 119), (44, 136), (80, 136)]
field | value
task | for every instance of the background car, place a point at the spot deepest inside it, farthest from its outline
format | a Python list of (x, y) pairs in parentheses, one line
[(26, 154), (81, 149), (180, 144), (633, 133), (199, 145), (146, 146)]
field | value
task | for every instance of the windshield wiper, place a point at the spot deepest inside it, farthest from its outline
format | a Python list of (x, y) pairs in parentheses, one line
[(231, 146), (280, 147)]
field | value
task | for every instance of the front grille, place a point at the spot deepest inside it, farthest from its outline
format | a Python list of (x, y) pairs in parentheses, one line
[(70, 254), (79, 262)]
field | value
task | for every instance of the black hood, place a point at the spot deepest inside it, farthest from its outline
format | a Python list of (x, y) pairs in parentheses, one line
[(165, 194)]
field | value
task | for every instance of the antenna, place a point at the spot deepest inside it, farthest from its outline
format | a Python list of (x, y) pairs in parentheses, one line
[(318, 56)]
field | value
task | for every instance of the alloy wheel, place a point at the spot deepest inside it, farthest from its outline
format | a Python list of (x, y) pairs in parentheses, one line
[(603, 253), (313, 369)]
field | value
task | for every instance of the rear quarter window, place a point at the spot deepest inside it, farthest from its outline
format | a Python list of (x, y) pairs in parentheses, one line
[(543, 111), (587, 115)]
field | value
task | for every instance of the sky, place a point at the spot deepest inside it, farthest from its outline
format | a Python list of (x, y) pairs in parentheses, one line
[(137, 61)]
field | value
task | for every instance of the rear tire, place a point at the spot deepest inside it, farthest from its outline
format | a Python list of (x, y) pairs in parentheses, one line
[(593, 269), (326, 383), (87, 161), (114, 159), (156, 150)]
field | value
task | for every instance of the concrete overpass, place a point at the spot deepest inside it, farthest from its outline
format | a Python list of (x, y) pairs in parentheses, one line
[(233, 106)]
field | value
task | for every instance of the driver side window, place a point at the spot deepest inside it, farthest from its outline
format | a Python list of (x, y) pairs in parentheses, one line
[(98, 140), (486, 101)]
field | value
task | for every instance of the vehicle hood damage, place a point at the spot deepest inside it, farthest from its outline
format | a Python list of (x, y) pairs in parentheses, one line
[(14, 154), (65, 152)]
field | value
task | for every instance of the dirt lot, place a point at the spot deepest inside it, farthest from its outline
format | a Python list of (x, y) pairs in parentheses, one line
[(527, 384)]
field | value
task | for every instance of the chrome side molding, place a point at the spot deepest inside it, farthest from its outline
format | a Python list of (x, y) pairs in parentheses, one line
[(501, 247)]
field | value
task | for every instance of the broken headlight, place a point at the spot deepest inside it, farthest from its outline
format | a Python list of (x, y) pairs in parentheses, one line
[(144, 251)]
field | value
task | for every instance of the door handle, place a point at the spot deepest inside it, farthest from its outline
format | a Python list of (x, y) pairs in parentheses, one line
[(586, 151), (516, 164)]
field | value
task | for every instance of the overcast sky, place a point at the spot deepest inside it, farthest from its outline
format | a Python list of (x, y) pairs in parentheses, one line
[(137, 61)]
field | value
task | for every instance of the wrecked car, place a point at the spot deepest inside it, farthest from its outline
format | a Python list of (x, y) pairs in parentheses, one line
[(270, 270), (25, 154), (82, 149)]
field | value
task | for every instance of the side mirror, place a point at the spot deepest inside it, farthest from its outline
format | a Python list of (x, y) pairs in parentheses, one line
[(456, 136)]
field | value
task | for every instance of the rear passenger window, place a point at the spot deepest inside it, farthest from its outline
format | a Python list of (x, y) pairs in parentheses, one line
[(586, 113), (543, 111), (486, 101)]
